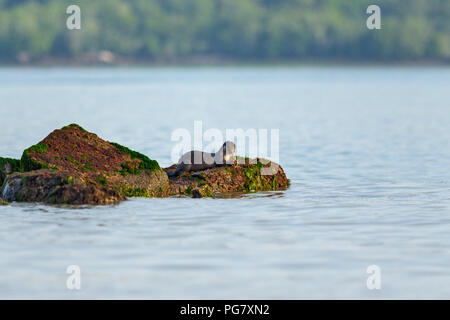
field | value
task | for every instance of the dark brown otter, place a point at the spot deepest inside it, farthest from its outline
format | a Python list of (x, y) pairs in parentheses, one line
[(199, 160)]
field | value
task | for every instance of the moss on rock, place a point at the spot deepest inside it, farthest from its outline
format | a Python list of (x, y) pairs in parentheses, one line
[(252, 173), (239, 178), (203, 191), (27, 163), (3, 203), (146, 162), (73, 125)]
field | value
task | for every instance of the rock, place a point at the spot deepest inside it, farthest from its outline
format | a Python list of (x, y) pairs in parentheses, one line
[(57, 187), (3, 203), (76, 167), (2, 177), (240, 178), (202, 192), (148, 183), (73, 166)]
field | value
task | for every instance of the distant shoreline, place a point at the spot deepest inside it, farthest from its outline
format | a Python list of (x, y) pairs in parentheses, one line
[(90, 61)]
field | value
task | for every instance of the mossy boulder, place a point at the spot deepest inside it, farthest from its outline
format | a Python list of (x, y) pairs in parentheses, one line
[(74, 149), (58, 187), (100, 172), (73, 166), (250, 175)]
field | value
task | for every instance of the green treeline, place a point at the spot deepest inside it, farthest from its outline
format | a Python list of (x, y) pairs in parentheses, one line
[(266, 30)]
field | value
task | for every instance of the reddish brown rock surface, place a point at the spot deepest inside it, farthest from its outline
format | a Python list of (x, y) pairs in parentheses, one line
[(239, 178), (73, 166)]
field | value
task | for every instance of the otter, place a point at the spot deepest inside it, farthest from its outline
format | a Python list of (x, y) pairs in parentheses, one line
[(199, 160)]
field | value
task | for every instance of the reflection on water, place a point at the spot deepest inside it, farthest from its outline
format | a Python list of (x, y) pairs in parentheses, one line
[(366, 150)]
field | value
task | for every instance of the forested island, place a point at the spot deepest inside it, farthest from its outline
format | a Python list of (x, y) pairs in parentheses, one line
[(235, 30)]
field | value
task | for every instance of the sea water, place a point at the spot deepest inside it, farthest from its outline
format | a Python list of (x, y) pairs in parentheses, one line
[(366, 148)]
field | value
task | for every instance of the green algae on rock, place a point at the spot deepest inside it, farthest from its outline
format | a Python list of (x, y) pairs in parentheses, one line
[(28, 164), (3, 203), (73, 125), (146, 162), (240, 178)]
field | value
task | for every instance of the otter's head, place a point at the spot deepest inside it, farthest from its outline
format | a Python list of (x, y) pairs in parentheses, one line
[(229, 152)]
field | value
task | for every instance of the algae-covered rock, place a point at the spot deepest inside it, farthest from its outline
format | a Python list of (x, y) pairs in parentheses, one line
[(3, 203), (239, 178), (57, 187), (100, 172), (73, 166), (203, 191)]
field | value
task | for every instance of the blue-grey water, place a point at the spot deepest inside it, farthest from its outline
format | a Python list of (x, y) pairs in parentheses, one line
[(366, 148)]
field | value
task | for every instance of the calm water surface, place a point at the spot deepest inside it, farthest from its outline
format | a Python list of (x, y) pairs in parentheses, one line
[(367, 151)]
